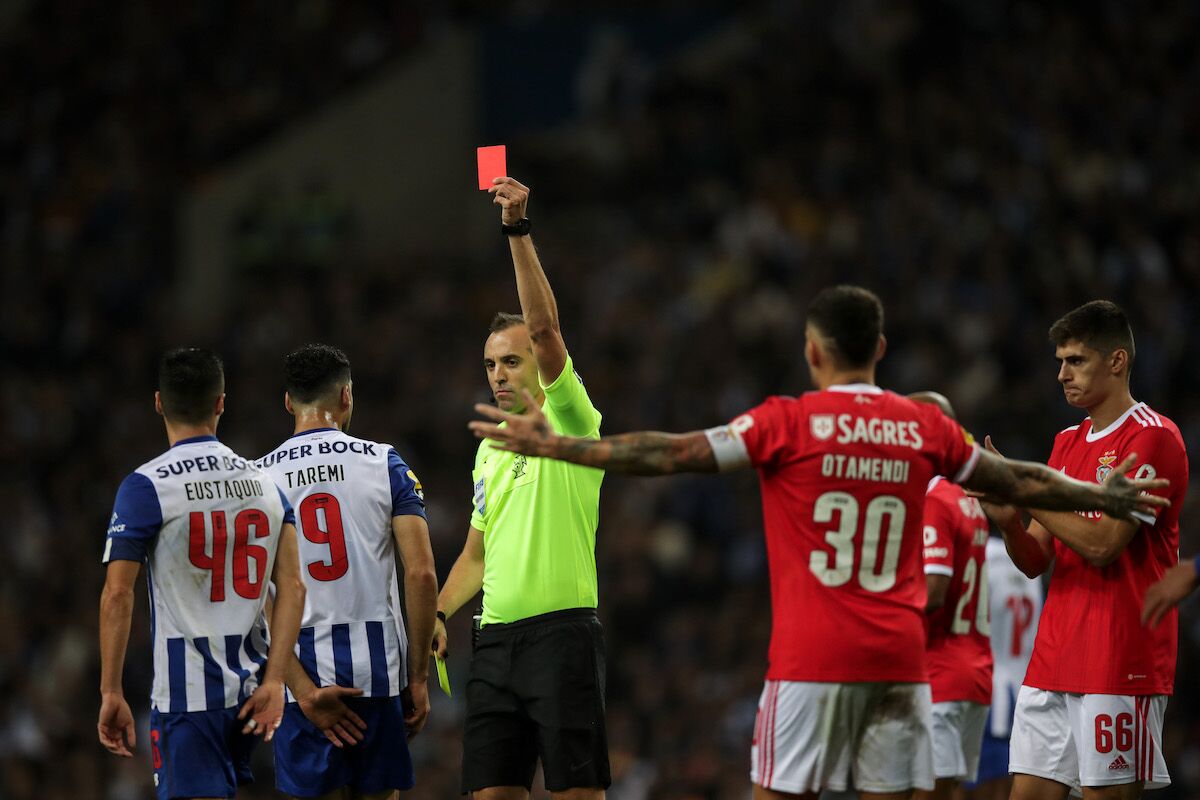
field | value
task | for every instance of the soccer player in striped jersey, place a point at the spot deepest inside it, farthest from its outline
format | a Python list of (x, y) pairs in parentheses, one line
[(359, 508), (1089, 715), (212, 530)]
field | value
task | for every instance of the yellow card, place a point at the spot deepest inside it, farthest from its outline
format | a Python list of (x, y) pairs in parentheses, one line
[(443, 677)]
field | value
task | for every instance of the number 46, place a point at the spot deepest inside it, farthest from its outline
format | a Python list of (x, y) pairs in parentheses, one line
[(213, 559)]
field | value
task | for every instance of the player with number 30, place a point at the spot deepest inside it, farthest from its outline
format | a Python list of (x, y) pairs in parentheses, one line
[(843, 472)]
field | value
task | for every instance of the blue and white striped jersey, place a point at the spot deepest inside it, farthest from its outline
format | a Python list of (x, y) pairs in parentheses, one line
[(345, 492), (206, 524)]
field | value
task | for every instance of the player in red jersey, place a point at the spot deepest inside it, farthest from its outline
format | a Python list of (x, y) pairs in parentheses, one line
[(1090, 712), (958, 649), (843, 472)]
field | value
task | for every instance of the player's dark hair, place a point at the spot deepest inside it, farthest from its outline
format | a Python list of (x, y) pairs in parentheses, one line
[(190, 379), (503, 321), (851, 318), (313, 371), (1100, 325)]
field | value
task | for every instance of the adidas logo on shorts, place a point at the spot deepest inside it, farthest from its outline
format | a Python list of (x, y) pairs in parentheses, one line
[(1119, 763)]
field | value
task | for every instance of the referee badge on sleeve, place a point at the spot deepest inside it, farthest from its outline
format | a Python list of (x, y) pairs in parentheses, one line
[(480, 497)]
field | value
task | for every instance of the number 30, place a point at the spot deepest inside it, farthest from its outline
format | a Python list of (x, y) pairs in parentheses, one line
[(836, 570)]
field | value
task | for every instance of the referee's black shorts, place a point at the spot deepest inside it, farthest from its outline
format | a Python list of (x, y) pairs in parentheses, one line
[(537, 691)]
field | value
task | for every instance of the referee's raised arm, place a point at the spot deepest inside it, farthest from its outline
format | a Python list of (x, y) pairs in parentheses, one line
[(537, 300)]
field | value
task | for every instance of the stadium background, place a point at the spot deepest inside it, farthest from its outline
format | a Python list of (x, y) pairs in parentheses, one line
[(255, 175)]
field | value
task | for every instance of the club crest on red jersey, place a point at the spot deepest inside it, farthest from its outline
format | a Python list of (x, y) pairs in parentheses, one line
[(1106, 465), (822, 426)]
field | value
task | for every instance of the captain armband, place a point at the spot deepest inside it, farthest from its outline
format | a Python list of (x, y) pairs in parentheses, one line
[(728, 448)]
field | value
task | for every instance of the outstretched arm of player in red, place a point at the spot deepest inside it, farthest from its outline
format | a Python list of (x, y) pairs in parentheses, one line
[(115, 726), (1030, 485), (640, 453)]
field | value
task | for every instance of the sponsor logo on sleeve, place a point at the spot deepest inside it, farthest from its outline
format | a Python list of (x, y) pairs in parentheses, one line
[(822, 426), (412, 476)]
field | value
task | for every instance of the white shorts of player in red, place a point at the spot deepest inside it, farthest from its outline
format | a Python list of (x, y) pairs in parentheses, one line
[(874, 737), (958, 738), (1089, 739)]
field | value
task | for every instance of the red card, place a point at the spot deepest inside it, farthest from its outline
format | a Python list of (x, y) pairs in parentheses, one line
[(491, 164)]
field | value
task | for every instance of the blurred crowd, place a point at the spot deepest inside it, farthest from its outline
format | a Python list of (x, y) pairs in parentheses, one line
[(985, 167)]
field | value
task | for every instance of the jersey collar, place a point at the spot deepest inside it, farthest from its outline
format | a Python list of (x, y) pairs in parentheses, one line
[(1093, 436), (856, 388), (194, 440), (314, 430)]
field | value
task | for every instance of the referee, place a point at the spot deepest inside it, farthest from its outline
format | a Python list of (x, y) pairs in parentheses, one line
[(537, 676)]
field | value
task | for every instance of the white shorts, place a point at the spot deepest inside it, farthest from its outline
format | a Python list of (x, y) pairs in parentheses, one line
[(958, 738), (874, 737), (1089, 739)]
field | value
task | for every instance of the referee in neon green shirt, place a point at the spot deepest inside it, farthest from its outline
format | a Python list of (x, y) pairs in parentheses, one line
[(537, 675)]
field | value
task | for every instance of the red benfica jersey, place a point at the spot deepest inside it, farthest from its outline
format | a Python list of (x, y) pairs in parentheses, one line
[(1090, 639), (959, 648), (843, 475)]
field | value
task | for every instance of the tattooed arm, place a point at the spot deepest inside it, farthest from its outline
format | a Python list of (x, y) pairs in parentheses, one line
[(640, 453), (1030, 485), (649, 453)]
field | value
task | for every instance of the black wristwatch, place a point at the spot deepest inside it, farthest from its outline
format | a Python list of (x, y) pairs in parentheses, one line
[(442, 616), (520, 229)]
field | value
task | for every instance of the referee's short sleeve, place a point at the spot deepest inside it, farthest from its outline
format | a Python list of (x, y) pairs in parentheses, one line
[(135, 522), (479, 491), (572, 407)]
